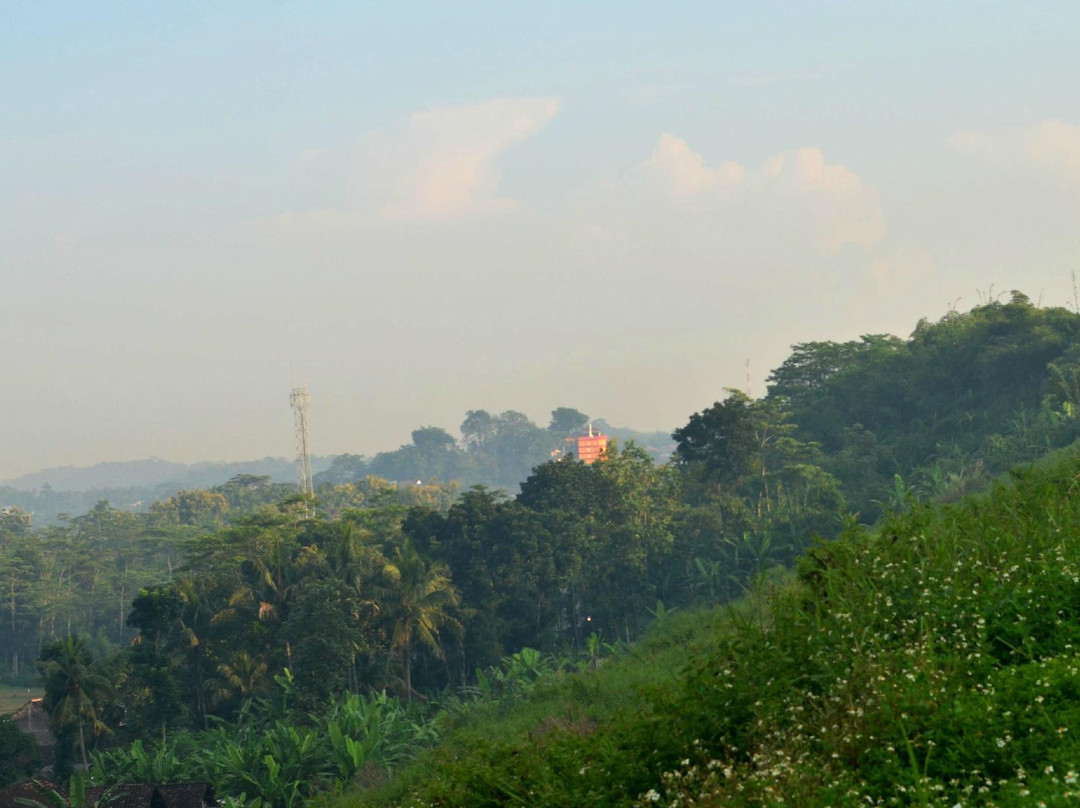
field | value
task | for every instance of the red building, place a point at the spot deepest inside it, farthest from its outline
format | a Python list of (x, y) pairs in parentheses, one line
[(591, 447)]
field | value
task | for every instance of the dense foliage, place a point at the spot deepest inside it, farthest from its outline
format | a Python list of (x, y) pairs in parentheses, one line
[(933, 661), (496, 451), (131, 485), (196, 633), (960, 401), (19, 755)]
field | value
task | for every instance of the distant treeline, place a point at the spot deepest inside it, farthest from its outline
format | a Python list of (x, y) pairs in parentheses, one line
[(499, 452), (496, 451), (131, 485)]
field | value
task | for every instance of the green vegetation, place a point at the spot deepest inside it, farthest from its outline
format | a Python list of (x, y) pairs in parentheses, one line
[(496, 451), (283, 648), (276, 755), (934, 661), (131, 485), (943, 412), (19, 756)]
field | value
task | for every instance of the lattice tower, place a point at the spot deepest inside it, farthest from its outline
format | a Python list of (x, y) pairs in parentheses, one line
[(300, 399)]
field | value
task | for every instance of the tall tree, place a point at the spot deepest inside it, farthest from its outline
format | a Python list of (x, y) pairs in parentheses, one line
[(75, 689), (567, 421), (720, 440), (418, 601)]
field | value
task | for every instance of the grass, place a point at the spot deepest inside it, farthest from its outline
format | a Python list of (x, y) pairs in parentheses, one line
[(563, 706), (13, 697), (932, 661)]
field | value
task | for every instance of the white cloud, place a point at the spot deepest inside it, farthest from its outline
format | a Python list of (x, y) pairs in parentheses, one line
[(833, 202), (675, 208), (682, 171), (1051, 146), (796, 191), (444, 163)]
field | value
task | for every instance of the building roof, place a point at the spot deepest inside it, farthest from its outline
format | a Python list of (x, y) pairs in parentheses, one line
[(134, 795), (35, 790), (126, 795), (186, 795), (32, 719)]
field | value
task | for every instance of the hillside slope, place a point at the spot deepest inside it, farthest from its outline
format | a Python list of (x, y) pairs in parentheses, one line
[(935, 660)]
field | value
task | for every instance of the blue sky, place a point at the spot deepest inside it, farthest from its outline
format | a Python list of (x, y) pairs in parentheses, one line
[(425, 208)]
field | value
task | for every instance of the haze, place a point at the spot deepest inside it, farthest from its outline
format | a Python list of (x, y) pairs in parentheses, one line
[(420, 209)]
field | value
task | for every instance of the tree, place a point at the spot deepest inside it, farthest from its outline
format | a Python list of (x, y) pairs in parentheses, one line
[(245, 492), (323, 633), (477, 429), (431, 440), (720, 440), (567, 421), (19, 755), (433, 453), (155, 612), (74, 689), (517, 446), (243, 676), (21, 565), (418, 602), (344, 469)]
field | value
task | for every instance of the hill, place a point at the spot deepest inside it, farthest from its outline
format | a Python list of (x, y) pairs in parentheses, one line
[(957, 402), (517, 628), (934, 661), (129, 486), (153, 472)]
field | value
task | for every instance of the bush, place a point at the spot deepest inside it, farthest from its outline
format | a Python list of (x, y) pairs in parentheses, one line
[(19, 755)]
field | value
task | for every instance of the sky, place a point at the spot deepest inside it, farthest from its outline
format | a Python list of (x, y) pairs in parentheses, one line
[(418, 209)]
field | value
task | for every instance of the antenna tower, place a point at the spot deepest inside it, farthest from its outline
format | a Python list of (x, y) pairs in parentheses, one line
[(300, 399)]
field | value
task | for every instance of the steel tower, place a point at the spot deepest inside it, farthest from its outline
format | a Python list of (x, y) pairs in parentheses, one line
[(300, 399)]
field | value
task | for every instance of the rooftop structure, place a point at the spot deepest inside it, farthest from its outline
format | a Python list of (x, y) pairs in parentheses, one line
[(592, 446)]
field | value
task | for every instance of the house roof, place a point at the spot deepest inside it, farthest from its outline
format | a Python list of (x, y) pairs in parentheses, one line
[(32, 719), (126, 795), (133, 795), (186, 795), (30, 790)]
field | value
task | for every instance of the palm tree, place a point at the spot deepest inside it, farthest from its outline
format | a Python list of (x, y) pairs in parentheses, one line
[(417, 603), (243, 674), (74, 687), (267, 578), (195, 618), (351, 556), (351, 553)]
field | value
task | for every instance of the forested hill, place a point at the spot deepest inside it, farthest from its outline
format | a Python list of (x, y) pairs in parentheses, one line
[(933, 661), (497, 450), (257, 608), (889, 419)]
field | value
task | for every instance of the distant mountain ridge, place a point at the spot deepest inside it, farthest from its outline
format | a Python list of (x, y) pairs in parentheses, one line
[(134, 485), (153, 472)]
